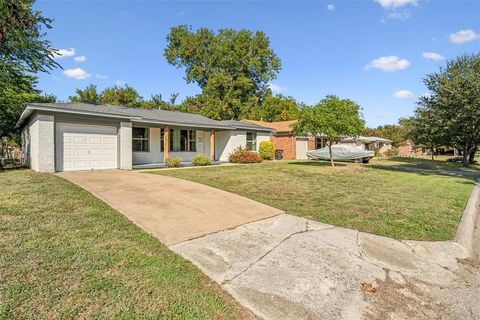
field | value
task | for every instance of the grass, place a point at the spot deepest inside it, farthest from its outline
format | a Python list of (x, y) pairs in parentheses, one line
[(64, 254), (402, 198)]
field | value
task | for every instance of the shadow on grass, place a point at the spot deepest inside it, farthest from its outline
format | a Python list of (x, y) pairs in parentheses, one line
[(317, 163), (428, 167)]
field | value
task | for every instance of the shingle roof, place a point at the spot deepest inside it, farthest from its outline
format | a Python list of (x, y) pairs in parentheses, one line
[(279, 126), (137, 114)]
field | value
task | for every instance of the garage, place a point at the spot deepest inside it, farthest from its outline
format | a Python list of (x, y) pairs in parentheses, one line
[(301, 148), (85, 147)]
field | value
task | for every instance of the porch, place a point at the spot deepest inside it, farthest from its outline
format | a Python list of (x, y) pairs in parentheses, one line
[(152, 145)]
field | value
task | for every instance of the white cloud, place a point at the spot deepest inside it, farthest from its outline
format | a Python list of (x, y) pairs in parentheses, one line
[(433, 56), (276, 88), (331, 7), (77, 73), (101, 76), (388, 64), (80, 59), (404, 15), (393, 4), (61, 53), (120, 83), (402, 94), (463, 36)]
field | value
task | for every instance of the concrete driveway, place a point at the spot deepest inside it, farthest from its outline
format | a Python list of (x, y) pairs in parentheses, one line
[(285, 267), (171, 209)]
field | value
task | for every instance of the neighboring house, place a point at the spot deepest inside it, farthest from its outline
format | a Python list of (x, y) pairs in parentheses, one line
[(369, 143), (293, 147), (78, 136), (408, 149)]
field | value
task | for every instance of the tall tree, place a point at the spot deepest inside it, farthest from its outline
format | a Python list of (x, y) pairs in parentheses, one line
[(454, 104), (275, 108), (121, 96), (426, 130), (24, 51), (87, 95), (231, 67), (333, 118)]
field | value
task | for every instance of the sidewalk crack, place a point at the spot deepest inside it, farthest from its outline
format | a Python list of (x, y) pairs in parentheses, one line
[(267, 253)]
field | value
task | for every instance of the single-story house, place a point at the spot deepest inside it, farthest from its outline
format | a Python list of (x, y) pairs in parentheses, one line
[(79, 136), (293, 147), (369, 143)]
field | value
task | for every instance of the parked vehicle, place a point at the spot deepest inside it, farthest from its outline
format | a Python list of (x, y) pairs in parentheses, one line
[(342, 152)]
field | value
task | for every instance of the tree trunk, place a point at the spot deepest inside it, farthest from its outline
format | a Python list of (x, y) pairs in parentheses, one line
[(432, 151), (331, 156), (466, 156), (471, 156)]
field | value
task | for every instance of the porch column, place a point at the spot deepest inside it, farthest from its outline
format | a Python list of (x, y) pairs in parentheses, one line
[(166, 143), (212, 144), (125, 145)]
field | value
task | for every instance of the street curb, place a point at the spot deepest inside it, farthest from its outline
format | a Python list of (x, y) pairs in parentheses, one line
[(466, 227)]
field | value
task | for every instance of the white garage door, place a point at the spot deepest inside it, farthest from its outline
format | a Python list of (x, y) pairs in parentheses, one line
[(85, 147), (301, 148)]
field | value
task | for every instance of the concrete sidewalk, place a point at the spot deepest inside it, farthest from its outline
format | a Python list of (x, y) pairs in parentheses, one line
[(287, 267), (171, 209)]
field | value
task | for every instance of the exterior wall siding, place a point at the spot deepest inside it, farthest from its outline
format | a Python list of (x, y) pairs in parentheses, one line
[(125, 157), (285, 143), (227, 141), (39, 143)]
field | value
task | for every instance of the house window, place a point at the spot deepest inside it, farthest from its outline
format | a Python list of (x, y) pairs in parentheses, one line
[(320, 143), (182, 140), (140, 139), (251, 141), (192, 141)]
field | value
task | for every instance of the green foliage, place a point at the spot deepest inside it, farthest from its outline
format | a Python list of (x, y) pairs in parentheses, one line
[(267, 150), (121, 96), (450, 114), (393, 152), (201, 160), (23, 52), (173, 162), (378, 154), (87, 95), (275, 108), (242, 155), (395, 132), (231, 67), (118, 96), (333, 118)]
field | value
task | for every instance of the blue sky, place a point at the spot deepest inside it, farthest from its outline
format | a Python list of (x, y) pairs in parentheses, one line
[(373, 52)]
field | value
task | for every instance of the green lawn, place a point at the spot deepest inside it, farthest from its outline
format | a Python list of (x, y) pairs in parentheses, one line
[(64, 254), (402, 198)]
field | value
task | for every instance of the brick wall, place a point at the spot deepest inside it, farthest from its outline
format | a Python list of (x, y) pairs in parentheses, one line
[(285, 143), (312, 143)]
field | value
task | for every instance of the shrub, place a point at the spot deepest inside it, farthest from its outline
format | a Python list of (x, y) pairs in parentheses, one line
[(267, 150), (201, 160), (173, 162), (242, 155), (378, 154), (391, 152)]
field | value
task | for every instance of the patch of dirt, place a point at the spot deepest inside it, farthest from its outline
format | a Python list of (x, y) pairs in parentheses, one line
[(394, 300)]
